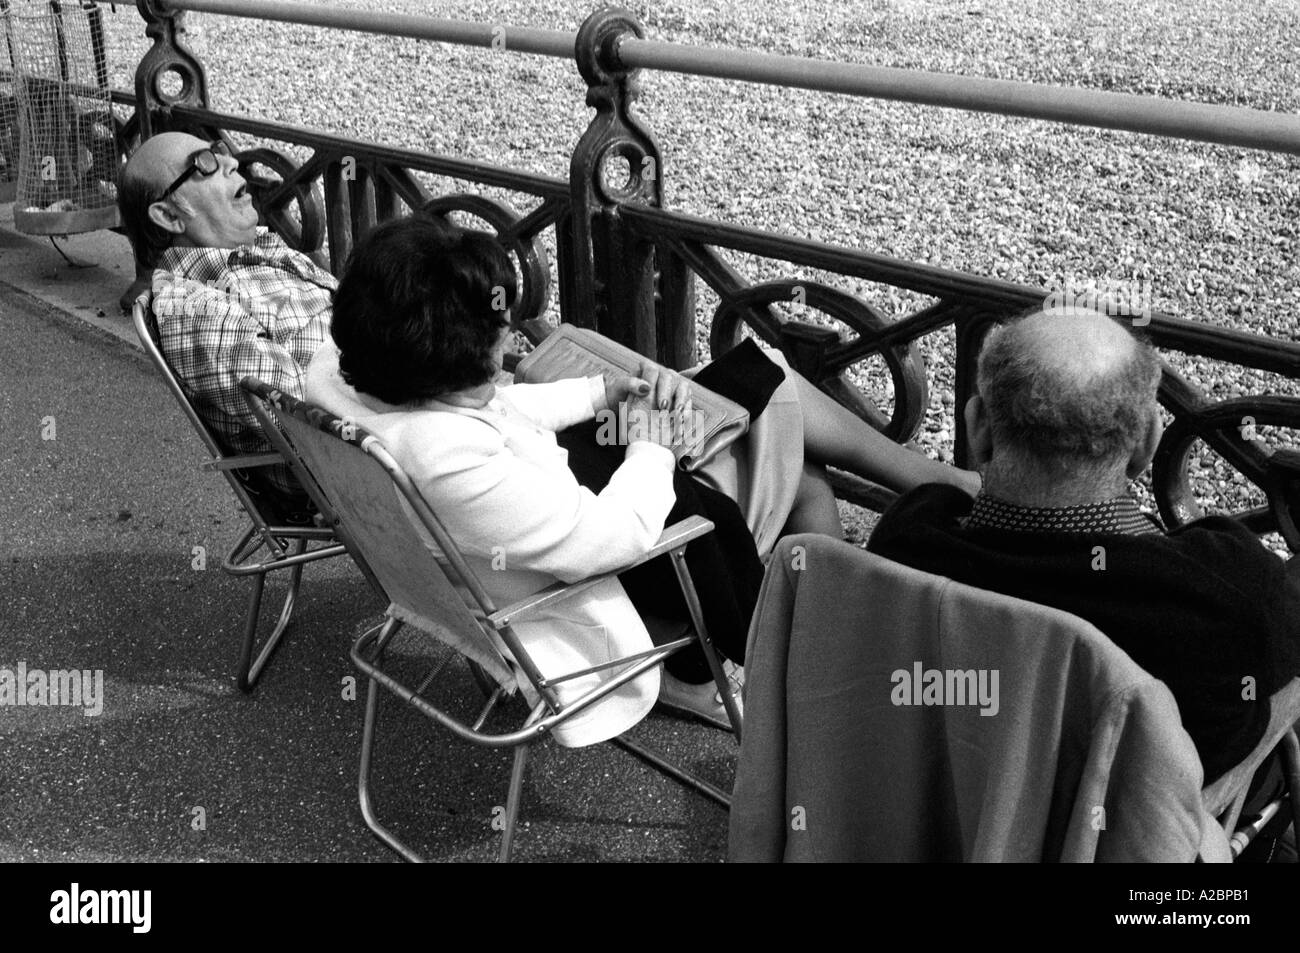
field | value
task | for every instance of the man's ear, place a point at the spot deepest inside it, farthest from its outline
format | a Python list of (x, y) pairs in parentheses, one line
[(979, 432), (1146, 446), (163, 215)]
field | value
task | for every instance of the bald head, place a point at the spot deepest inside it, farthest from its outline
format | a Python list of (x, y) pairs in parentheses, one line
[(160, 160), (1074, 348), (1069, 391), (210, 210)]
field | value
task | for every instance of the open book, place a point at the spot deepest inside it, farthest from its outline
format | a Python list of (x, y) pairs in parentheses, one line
[(570, 351)]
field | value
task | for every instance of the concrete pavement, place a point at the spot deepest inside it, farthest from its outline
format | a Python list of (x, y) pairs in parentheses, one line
[(87, 289)]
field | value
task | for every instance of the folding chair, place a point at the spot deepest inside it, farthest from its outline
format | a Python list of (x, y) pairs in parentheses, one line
[(270, 543), (1226, 797), (372, 501), (1080, 756)]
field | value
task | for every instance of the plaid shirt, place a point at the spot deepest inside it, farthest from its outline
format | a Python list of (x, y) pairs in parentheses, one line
[(224, 314)]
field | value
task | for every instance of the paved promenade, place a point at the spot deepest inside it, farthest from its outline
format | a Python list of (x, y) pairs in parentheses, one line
[(103, 511)]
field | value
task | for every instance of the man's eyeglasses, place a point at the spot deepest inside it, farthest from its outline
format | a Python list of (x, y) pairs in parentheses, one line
[(204, 162)]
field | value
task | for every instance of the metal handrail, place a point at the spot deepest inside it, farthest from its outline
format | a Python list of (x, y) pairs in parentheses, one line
[(1179, 119), (1226, 125), (464, 33)]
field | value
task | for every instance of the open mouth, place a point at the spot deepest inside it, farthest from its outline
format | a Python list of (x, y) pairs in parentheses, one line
[(241, 191)]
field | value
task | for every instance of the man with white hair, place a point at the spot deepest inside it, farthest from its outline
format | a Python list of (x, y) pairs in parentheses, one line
[(1064, 417)]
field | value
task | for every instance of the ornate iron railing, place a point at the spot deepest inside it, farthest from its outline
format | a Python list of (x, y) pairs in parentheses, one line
[(629, 267)]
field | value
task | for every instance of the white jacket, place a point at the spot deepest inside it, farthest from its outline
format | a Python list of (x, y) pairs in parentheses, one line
[(502, 487)]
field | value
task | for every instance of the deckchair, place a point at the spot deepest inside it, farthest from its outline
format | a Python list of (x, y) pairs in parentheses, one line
[(1082, 754), (274, 540), (375, 509)]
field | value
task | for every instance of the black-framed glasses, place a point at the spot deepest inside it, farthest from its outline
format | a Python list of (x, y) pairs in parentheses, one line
[(204, 162)]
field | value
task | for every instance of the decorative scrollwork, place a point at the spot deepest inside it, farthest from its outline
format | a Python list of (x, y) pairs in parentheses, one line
[(169, 56), (612, 284), (306, 232), (1228, 428), (533, 264), (813, 354), (636, 182), (596, 51)]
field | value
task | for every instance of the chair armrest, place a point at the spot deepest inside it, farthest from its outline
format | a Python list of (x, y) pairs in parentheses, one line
[(1284, 711), (673, 537), (242, 462)]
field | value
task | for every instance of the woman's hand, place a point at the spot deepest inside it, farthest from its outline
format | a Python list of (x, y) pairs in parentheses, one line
[(658, 402), (661, 388), (625, 388)]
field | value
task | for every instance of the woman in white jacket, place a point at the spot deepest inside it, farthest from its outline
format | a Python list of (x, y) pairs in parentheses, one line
[(421, 321)]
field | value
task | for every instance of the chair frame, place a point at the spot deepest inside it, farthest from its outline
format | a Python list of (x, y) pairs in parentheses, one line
[(268, 544), (549, 712), (1226, 797)]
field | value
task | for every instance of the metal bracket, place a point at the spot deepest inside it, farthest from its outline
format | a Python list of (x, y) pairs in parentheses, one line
[(168, 55), (617, 162)]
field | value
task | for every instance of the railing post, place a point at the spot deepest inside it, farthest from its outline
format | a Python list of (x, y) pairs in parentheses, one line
[(615, 286), (168, 55)]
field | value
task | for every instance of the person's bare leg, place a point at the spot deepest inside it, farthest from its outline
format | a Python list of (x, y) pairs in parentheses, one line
[(835, 436), (814, 509)]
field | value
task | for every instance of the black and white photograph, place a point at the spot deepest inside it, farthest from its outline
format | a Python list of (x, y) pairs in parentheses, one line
[(675, 432)]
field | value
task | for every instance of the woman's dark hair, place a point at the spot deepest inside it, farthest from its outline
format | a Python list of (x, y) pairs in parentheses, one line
[(419, 309)]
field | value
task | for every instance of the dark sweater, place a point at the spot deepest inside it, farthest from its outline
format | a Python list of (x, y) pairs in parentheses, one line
[(1201, 608)]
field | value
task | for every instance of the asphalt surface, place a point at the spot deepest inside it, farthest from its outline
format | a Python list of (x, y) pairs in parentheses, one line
[(102, 511)]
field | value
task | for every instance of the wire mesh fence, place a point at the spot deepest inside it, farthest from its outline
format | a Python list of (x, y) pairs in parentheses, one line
[(8, 117), (67, 144)]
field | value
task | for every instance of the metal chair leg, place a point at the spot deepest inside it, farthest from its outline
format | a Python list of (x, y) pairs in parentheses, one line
[(512, 802), (657, 761), (1233, 814), (363, 783), (1288, 750), (1291, 769), (706, 644), (242, 680), (250, 669)]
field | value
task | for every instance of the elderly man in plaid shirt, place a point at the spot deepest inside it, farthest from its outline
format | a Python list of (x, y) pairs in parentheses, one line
[(231, 299)]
